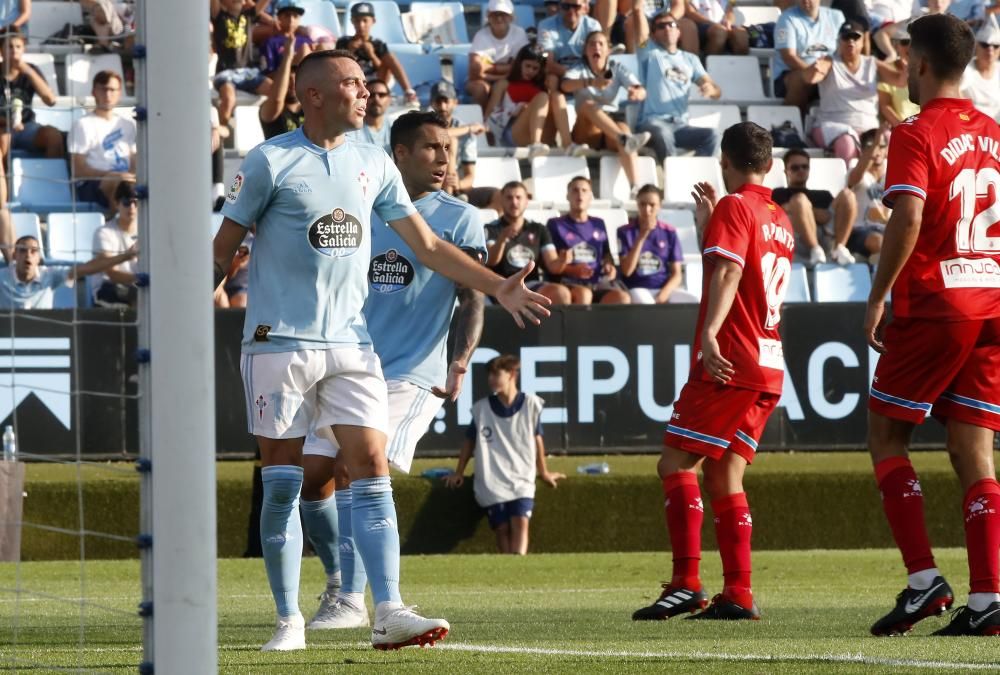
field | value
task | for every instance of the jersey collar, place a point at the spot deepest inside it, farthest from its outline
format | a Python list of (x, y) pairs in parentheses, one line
[(960, 103), (759, 189), (315, 149)]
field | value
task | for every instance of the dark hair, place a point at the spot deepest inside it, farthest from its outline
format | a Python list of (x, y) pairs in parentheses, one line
[(14, 32), (945, 41), (102, 78), (376, 80), (869, 136), (511, 185), (506, 362), (649, 188), (26, 237), (405, 129), (323, 55), (528, 53), (578, 178), (796, 152), (748, 147), (125, 191)]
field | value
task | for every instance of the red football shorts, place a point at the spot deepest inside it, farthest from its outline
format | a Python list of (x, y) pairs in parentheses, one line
[(710, 418), (950, 369)]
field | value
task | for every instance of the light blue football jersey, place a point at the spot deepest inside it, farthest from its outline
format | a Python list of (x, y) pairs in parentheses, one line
[(410, 306), (313, 212)]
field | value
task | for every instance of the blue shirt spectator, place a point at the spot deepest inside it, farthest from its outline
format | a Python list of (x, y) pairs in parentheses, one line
[(14, 13), (563, 35), (669, 78), (808, 37), (973, 11), (34, 293)]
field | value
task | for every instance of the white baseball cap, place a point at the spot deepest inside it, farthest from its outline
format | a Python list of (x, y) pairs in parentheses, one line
[(505, 6)]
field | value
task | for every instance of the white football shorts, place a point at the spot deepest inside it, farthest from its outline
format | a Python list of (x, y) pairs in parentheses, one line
[(290, 393), (412, 410)]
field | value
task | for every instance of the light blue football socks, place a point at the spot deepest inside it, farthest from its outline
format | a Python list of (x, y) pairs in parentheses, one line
[(320, 518), (281, 535), (374, 526), (352, 569)]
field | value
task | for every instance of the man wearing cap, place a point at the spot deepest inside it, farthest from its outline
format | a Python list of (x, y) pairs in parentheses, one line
[(494, 47), (373, 55), (981, 81), (561, 37), (464, 152), (289, 13), (848, 94), (802, 34)]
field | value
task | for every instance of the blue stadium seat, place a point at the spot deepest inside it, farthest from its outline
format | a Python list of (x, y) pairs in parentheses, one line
[(321, 13), (71, 235), (836, 283), (798, 285), (423, 70), (41, 186), (81, 68), (388, 22), (460, 73), (457, 12), (26, 224)]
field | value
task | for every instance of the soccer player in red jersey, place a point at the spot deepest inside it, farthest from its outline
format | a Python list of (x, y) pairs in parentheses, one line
[(941, 352), (734, 385)]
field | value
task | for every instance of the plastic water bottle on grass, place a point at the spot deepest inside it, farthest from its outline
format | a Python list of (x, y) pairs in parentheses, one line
[(596, 468), (9, 445), (436, 473)]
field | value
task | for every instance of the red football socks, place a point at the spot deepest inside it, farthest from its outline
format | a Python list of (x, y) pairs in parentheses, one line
[(903, 503), (685, 513), (981, 511), (733, 528)]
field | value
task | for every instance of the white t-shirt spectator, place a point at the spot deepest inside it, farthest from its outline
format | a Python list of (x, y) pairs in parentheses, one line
[(107, 144), (111, 240), (868, 192), (985, 93), (710, 9), (492, 49), (850, 98)]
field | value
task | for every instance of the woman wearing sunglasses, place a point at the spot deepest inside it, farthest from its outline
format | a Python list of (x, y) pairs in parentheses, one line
[(981, 81)]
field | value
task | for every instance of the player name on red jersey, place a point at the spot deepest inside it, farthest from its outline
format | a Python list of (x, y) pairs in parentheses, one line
[(960, 145)]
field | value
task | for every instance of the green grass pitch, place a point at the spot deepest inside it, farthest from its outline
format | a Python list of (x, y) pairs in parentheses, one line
[(541, 613)]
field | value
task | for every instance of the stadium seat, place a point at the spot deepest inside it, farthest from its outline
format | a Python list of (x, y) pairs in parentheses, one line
[(322, 13), (738, 77), (71, 235), (540, 215), (827, 173), (681, 173), (630, 61), (693, 274), (690, 247), (776, 178), (41, 185), (488, 215), (388, 25), (769, 116), (25, 225), (798, 285), (48, 18), (750, 16), (470, 113), (459, 71), (451, 16), (837, 283), (423, 70), (614, 185), (61, 115), (248, 132), (81, 68), (551, 175), (613, 219), (714, 116), (46, 64), (496, 171), (678, 218)]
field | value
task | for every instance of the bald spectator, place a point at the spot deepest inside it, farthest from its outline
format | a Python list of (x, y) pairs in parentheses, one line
[(102, 145), (494, 47)]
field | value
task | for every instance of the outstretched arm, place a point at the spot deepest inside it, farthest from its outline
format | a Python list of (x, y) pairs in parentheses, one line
[(101, 264)]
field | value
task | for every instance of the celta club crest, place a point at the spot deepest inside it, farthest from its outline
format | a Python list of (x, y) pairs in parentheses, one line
[(363, 181), (261, 404)]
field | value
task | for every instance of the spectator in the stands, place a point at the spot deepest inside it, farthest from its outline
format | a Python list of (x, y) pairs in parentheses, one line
[(111, 22), (809, 210), (584, 256), (551, 7), (802, 34), (218, 161), (626, 27), (981, 81), (894, 102), (281, 111), (650, 252), (867, 180), (888, 24), (116, 237), (30, 284), (376, 128), (973, 12), (512, 242), (595, 84), (14, 14), (376, 61), (670, 73), (717, 29), (521, 112), (464, 152), (232, 22), (848, 95), (494, 47), (289, 18), (22, 82), (561, 37), (233, 291), (102, 145)]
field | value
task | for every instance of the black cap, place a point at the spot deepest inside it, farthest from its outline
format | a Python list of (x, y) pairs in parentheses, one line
[(363, 9), (443, 89), (852, 27)]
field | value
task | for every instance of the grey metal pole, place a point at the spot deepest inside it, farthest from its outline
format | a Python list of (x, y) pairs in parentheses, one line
[(176, 327)]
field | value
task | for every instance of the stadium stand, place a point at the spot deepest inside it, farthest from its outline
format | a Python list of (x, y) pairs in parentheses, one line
[(677, 190), (837, 283), (551, 174), (71, 235), (496, 171), (614, 185), (81, 68), (798, 285), (388, 23)]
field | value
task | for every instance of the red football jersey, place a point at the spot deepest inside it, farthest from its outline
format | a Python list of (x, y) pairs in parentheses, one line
[(949, 156), (750, 229)]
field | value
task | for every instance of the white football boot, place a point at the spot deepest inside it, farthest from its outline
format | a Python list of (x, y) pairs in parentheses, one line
[(334, 613), (397, 625), (289, 635)]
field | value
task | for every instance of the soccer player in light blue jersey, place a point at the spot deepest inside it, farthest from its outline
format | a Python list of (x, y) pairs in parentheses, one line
[(307, 356), (409, 312)]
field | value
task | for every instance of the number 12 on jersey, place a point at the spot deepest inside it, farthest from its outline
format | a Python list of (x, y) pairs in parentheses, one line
[(971, 231)]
